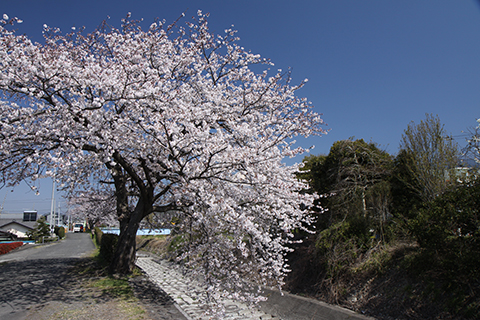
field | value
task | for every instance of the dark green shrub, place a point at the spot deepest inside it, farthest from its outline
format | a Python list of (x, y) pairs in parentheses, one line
[(60, 232), (448, 232), (98, 236), (450, 227), (107, 246)]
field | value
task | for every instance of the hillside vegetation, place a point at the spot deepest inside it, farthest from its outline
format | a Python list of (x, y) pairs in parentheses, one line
[(397, 237)]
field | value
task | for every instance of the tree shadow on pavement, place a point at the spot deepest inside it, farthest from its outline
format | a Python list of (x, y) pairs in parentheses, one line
[(33, 282), (35, 286)]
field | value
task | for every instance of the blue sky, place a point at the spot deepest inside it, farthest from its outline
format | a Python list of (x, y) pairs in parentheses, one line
[(373, 66)]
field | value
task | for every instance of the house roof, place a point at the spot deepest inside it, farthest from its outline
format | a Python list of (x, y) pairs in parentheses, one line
[(26, 224)]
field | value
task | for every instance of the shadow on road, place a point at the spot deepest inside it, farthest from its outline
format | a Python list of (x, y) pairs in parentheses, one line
[(34, 282), (41, 288)]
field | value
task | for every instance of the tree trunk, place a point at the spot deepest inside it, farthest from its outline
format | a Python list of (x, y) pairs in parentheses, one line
[(124, 258), (123, 261)]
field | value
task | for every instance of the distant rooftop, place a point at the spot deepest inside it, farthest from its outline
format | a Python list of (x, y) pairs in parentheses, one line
[(17, 216), (11, 215)]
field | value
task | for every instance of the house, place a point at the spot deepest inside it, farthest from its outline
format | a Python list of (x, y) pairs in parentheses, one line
[(20, 227), (6, 236)]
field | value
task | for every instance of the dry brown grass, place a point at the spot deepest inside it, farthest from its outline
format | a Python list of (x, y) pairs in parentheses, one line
[(154, 244)]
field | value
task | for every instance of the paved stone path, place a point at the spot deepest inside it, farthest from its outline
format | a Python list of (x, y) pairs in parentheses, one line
[(187, 293)]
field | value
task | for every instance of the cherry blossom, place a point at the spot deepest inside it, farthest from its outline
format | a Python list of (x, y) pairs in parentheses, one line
[(97, 207), (175, 120)]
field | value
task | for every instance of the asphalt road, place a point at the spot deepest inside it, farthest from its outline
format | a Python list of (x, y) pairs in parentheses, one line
[(31, 276)]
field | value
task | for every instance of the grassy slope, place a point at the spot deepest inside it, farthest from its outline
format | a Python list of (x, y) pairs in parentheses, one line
[(397, 281)]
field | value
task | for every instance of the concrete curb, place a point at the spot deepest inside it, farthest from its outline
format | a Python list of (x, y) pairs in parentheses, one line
[(292, 307), (182, 312)]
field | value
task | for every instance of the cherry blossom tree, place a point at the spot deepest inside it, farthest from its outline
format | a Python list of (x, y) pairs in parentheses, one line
[(96, 206), (176, 120)]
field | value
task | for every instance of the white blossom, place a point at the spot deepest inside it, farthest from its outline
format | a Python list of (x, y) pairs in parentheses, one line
[(180, 124)]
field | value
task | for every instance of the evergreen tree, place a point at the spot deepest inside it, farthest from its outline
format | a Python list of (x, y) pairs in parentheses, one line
[(346, 177), (42, 229)]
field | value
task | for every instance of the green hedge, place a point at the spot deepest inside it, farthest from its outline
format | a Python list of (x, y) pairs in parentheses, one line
[(107, 246), (98, 236), (60, 232)]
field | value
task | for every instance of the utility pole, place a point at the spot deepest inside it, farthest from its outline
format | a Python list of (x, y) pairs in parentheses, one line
[(3, 203), (59, 215), (52, 206)]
